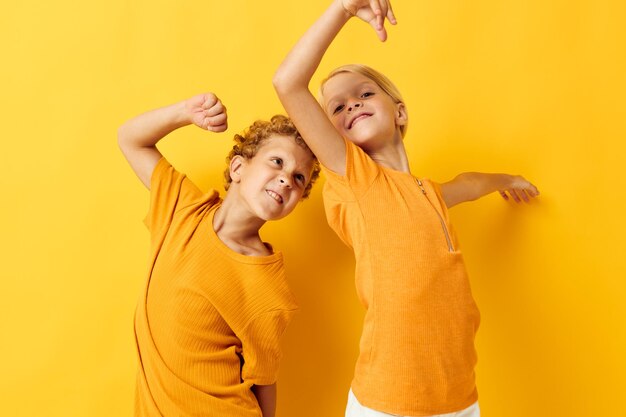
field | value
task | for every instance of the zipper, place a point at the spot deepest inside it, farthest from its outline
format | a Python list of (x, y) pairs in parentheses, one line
[(443, 223)]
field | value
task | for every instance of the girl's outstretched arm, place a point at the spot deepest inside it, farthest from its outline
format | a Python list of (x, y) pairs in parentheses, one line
[(292, 78), (138, 137), (473, 185)]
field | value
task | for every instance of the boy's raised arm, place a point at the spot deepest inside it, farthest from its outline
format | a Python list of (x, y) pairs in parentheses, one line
[(292, 78), (138, 137), (470, 186), (266, 397)]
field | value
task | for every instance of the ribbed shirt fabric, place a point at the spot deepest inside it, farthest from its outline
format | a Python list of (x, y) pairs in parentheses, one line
[(417, 353), (209, 320)]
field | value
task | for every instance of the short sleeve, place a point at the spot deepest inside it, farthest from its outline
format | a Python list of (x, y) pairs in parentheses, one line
[(443, 208), (261, 346), (169, 190), (361, 171), (436, 186)]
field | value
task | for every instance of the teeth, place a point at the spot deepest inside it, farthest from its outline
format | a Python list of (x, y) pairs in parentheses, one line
[(275, 196), (362, 116)]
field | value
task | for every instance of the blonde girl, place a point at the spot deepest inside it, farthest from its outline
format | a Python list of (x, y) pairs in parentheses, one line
[(417, 354)]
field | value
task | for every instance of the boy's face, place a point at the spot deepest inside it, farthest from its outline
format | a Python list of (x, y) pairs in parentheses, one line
[(273, 181)]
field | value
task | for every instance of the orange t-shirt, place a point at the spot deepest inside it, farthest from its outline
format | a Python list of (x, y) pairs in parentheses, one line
[(417, 353), (209, 321)]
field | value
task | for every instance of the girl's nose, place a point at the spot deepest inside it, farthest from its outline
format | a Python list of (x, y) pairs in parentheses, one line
[(354, 106)]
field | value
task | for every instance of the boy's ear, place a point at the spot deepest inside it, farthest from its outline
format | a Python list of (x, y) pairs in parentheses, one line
[(401, 115), (236, 167)]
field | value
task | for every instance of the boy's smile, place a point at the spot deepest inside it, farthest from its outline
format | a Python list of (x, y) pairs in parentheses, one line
[(275, 196), (272, 182)]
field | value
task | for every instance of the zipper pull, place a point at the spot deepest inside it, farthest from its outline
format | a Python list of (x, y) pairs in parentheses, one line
[(421, 186)]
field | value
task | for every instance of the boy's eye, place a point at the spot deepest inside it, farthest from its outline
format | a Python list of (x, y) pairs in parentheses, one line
[(338, 109), (367, 94), (277, 161), (300, 178)]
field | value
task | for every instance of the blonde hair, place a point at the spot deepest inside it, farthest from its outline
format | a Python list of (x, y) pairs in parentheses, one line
[(250, 141), (381, 80)]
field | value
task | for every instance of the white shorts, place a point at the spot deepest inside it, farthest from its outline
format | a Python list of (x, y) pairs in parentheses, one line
[(355, 409)]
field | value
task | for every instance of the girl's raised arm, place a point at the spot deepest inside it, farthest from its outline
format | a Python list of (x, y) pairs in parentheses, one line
[(292, 78)]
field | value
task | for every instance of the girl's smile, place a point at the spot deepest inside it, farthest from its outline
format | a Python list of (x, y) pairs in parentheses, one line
[(352, 99), (358, 118)]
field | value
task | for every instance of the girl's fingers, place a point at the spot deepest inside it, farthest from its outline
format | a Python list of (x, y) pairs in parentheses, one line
[(380, 8), (531, 191), (390, 16), (515, 195), (384, 9), (534, 192), (519, 194), (375, 6), (524, 195), (382, 34)]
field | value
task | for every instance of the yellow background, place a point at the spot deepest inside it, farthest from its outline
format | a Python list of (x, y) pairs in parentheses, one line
[(530, 87)]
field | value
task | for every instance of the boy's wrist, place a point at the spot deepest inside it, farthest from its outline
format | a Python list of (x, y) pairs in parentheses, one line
[(181, 114)]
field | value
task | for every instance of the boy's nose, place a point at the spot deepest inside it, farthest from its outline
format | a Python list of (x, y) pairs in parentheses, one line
[(284, 182)]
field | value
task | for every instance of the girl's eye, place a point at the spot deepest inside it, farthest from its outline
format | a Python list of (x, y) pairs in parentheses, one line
[(300, 178), (367, 94), (338, 109), (277, 161)]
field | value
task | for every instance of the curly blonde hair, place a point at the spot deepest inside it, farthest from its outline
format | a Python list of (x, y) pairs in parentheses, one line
[(250, 141)]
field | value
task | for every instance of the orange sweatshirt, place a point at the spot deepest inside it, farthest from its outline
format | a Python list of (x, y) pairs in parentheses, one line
[(417, 353), (209, 321)]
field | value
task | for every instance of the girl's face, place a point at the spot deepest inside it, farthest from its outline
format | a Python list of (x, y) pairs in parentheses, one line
[(361, 111), (272, 182)]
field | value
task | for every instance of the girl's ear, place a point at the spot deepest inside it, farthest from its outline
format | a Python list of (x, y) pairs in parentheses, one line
[(236, 167), (401, 115)]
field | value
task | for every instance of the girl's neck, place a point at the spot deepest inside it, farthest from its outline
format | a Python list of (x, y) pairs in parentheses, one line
[(238, 229), (392, 154)]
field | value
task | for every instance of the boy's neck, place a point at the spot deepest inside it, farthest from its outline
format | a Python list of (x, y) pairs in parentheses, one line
[(239, 230)]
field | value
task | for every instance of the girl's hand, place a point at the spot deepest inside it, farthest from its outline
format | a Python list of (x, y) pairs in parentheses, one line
[(373, 12), (207, 112), (519, 189)]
